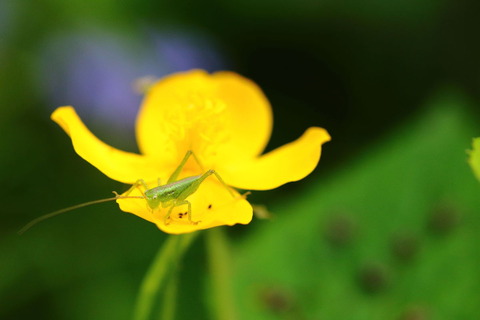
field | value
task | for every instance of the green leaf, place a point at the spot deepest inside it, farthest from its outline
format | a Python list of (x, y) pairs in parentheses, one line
[(393, 235)]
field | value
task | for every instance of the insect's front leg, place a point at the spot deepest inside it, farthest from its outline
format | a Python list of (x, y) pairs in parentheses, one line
[(137, 184)]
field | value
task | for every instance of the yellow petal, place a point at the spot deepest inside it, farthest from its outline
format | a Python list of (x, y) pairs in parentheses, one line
[(290, 162), (200, 112), (212, 206), (249, 114), (119, 165)]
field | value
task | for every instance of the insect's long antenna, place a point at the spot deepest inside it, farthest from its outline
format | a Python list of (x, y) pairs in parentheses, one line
[(81, 205)]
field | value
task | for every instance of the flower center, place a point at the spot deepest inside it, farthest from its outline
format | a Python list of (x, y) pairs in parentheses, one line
[(197, 122)]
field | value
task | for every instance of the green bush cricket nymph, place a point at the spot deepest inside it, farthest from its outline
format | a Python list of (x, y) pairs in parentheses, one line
[(170, 195)]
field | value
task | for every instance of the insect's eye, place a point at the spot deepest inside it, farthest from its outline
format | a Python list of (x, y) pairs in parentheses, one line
[(154, 196)]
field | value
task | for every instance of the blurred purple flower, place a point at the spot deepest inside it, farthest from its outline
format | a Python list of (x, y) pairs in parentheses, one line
[(186, 51), (95, 71)]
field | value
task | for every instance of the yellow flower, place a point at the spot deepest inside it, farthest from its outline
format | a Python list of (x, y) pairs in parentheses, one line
[(226, 121)]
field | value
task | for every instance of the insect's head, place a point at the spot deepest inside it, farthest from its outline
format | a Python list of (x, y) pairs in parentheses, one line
[(152, 198)]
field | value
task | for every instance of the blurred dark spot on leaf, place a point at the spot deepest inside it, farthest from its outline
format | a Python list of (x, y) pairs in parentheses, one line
[(443, 219), (415, 313), (277, 300), (405, 246), (340, 230), (374, 278)]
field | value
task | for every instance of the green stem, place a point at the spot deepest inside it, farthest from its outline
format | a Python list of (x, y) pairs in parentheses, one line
[(163, 265), (170, 298), (223, 302)]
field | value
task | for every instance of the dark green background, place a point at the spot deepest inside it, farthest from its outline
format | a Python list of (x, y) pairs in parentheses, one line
[(387, 226)]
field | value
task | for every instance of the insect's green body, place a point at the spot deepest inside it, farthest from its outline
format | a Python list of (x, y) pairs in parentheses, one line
[(176, 191)]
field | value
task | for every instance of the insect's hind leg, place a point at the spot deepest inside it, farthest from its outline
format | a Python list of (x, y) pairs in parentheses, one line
[(178, 170), (223, 183), (212, 171), (197, 161)]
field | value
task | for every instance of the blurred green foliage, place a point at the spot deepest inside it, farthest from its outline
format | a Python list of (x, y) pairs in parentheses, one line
[(474, 157), (385, 228), (393, 236)]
